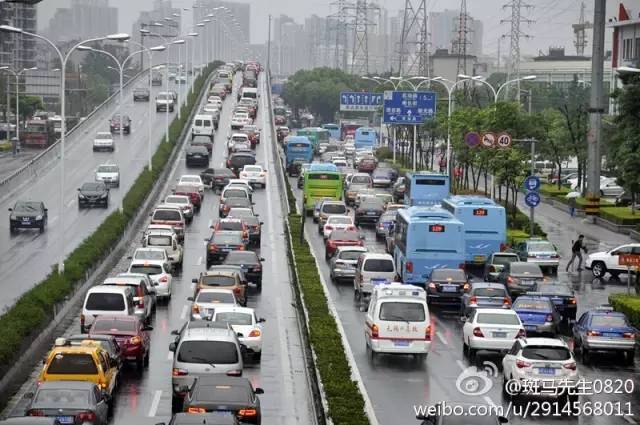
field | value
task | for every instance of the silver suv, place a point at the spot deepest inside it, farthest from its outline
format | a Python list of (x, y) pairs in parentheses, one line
[(203, 348)]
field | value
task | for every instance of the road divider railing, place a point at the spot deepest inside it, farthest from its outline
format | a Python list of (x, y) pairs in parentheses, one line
[(24, 322)]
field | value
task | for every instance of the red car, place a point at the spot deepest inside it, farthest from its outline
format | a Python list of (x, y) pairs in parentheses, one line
[(132, 336), (341, 238), (193, 194), (367, 165)]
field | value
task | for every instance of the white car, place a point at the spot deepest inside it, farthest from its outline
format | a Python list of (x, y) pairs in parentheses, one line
[(158, 271), (192, 180), (241, 183), (207, 300), (254, 174), (109, 174), (215, 100), (168, 243), (243, 320), (104, 142), (340, 163), (150, 253), (238, 139), (603, 262), (337, 222), (240, 120), (540, 364), (490, 329), (183, 202), (611, 188)]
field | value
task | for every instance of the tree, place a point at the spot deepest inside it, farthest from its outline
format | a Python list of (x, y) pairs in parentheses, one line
[(28, 105), (553, 136)]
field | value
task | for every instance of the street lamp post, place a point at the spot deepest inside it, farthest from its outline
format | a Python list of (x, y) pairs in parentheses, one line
[(193, 48), (393, 127), (17, 76)]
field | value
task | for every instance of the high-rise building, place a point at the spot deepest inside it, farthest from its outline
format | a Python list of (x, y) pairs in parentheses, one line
[(82, 20), (228, 38), (18, 51), (443, 27)]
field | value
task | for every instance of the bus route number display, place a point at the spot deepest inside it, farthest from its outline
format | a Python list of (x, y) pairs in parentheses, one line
[(480, 212), (436, 228)]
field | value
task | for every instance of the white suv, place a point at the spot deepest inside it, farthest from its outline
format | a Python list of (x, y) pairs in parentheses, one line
[(104, 142), (540, 366), (244, 322), (159, 271), (607, 261)]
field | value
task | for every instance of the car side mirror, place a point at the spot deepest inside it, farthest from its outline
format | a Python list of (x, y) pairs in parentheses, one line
[(261, 259), (78, 189), (258, 391), (11, 209), (147, 328), (262, 320), (172, 347), (175, 332), (463, 319), (194, 280), (240, 335), (129, 257), (261, 223), (28, 395), (190, 299)]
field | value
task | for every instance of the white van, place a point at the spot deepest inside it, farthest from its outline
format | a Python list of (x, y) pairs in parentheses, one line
[(249, 92), (169, 243), (103, 299), (202, 126), (397, 321), (371, 270)]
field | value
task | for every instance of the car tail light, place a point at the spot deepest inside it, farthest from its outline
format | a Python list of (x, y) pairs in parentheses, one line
[(492, 269), (572, 301), (257, 268), (245, 235), (593, 333), (466, 287), (427, 333), (570, 366), (247, 413), (82, 320), (521, 333), (164, 279), (234, 372), (549, 318), (555, 256), (628, 335), (196, 410), (331, 244), (236, 290), (195, 308), (35, 412), (503, 247), (409, 267), (510, 280), (461, 266), (241, 248), (179, 372), (255, 333), (351, 229), (478, 332), (140, 303), (433, 285), (136, 340), (213, 248), (374, 331), (328, 228), (87, 416), (506, 302), (228, 163), (520, 364), (473, 300)]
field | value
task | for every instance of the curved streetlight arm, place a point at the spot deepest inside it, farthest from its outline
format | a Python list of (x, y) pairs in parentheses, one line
[(505, 84)]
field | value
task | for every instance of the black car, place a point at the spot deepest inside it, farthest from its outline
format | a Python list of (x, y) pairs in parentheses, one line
[(221, 243), (369, 210), (226, 396), (201, 419), (386, 166), (93, 194), (217, 178), (250, 263), (398, 189), (446, 286), (203, 141), (238, 160), (624, 199), (114, 124), (197, 156), (141, 93), (28, 215)]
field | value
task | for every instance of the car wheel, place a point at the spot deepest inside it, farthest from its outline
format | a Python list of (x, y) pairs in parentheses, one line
[(13, 229), (472, 354), (554, 271), (326, 255), (259, 286), (598, 269), (42, 228)]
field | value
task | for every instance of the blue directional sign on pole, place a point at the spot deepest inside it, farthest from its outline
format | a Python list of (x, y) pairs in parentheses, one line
[(408, 107), (532, 183), (360, 101), (532, 199)]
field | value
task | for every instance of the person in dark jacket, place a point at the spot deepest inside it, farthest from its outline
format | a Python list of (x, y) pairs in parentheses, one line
[(575, 252)]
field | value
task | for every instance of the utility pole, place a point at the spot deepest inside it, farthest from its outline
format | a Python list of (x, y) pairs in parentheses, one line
[(579, 30), (461, 40), (414, 61), (360, 53), (340, 28), (514, 37), (269, 50), (596, 109)]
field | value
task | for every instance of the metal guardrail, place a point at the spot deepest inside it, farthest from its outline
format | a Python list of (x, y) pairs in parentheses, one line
[(43, 161)]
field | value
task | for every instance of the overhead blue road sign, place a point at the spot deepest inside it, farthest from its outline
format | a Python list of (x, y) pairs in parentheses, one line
[(532, 199), (409, 107), (360, 101), (532, 183)]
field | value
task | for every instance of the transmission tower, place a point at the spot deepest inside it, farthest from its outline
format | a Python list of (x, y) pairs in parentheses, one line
[(580, 33), (461, 41), (340, 19), (413, 52), (514, 35), (361, 23)]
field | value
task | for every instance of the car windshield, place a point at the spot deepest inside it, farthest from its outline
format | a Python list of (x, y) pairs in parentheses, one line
[(114, 325), (234, 318), (92, 187), (166, 215), (107, 169), (339, 220), (504, 259), (208, 352), (150, 269), (389, 216), (150, 254), (103, 136), (241, 257), (350, 255), (379, 265), (223, 394), (176, 200), (394, 311), (26, 207), (165, 96), (62, 397), (217, 280), (608, 321), (72, 364), (230, 225), (344, 236), (361, 180), (531, 304), (216, 297), (105, 301), (334, 208), (541, 246), (526, 269), (240, 212), (238, 202), (448, 274), (534, 352), (235, 193), (498, 319), (252, 169), (234, 238), (371, 203), (489, 292)]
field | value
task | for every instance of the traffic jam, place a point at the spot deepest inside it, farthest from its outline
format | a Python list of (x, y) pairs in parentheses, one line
[(423, 265), (110, 349)]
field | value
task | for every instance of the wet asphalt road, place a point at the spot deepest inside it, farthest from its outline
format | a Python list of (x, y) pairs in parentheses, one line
[(27, 257), (396, 384), (146, 398)]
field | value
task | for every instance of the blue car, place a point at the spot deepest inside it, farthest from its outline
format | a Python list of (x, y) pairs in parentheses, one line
[(537, 314), (385, 223), (603, 329)]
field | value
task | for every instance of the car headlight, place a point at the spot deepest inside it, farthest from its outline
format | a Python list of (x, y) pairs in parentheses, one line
[(80, 195), (39, 217), (103, 195)]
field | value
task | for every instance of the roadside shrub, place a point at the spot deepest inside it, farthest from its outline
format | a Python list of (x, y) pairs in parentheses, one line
[(627, 304)]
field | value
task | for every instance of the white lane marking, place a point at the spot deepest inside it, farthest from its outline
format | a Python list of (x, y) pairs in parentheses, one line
[(155, 403), (442, 338), (199, 263), (184, 312), (70, 202)]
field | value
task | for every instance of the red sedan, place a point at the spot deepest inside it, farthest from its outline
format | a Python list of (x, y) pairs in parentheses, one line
[(132, 336), (341, 238)]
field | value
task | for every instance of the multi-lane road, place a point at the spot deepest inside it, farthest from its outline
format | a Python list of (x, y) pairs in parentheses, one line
[(27, 256), (282, 373)]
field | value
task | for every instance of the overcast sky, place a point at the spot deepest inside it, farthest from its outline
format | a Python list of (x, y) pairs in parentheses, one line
[(552, 26)]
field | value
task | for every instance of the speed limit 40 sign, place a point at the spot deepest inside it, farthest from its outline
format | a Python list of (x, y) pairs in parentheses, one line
[(504, 140)]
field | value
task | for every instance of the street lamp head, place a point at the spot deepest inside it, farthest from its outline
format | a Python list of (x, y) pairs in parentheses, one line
[(157, 48), (181, 41), (420, 78), (55, 69), (144, 31), (201, 24), (33, 68), (85, 48), (465, 76), (156, 24), (118, 37), (207, 20), (395, 78), (193, 34), (529, 77), (9, 28), (438, 78), (627, 70), (177, 15), (3, 68)]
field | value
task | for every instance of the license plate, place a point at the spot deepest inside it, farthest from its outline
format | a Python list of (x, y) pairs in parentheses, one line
[(378, 281), (531, 327), (559, 302), (65, 419), (546, 371), (478, 258), (371, 213), (544, 256), (499, 334), (197, 156), (528, 282), (401, 343), (223, 413), (611, 335), (449, 288), (26, 221)]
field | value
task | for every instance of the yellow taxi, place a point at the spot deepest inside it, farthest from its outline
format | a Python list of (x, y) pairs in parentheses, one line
[(86, 362)]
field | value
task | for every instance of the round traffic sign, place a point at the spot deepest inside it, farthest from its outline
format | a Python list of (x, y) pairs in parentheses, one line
[(488, 140), (532, 199), (472, 139), (532, 183), (504, 140)]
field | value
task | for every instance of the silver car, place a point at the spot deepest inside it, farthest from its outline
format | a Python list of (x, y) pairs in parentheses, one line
[(495, 263), (343, 263), (68, 401), (109, 174), (485, 295)]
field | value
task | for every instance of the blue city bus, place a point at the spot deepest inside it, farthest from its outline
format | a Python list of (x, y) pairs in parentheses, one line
[(427, 238), (333, 129), (485, 225), (366, 138), (425, 188), (298, 150)]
